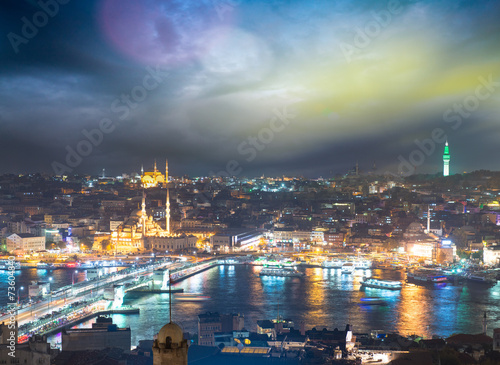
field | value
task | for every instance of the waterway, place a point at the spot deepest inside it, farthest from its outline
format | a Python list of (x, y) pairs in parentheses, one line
[(322, 298)]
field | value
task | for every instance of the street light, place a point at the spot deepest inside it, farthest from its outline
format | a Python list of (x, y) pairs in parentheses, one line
[(21, 288), (73, 281)]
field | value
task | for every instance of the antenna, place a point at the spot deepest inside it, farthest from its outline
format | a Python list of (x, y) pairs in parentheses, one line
[(170, 296)]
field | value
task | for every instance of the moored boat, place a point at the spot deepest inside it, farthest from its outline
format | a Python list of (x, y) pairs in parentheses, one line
[(332, 264), (8, 265), (281, 271), (348, 268), (481, 277), (44, 266), (372, 301), (381, 284), (425, 276)]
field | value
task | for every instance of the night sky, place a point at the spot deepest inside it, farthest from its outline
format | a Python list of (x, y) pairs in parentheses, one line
[(251, 87)]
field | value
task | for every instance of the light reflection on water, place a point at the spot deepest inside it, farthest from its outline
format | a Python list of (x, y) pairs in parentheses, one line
[(323, 298)]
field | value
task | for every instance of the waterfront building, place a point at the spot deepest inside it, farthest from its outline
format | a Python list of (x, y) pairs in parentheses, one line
[(234, 240), (25, 242), (491, 254)]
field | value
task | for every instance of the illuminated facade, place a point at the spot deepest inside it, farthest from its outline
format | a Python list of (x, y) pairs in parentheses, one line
[(491, 255), (133, 234), (154, 178), (446, 160), (25, 242)]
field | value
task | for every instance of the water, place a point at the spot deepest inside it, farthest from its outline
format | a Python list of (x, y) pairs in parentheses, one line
[(323, 298)]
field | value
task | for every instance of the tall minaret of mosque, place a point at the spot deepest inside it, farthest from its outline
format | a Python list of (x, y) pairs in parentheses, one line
[(167, 212), (446, 160), (167, 205), (143, 214), (166, 172)]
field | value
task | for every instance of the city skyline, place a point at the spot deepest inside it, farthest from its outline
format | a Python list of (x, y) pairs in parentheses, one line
[(248, 87)]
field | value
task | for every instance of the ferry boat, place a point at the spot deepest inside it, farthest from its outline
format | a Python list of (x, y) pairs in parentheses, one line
[(382, 284), (45, 266), (333, 264), (426, 277), (348, 268), (5, 264), (281, 271), (362, 264), (372, 301)]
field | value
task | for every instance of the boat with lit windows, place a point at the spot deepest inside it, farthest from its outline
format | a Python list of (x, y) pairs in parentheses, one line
[(333, 264), (348, 268), (362, 264), (426, 276), (9, 265), (44, 266), (280, 271), (381, 284)]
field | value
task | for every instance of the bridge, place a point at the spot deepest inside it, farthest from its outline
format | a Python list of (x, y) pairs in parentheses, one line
[(75, 303)]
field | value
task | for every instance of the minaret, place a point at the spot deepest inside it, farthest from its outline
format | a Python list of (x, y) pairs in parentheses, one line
[(166, 172), (167, 213), (142, 170), (428, 219), (143, 214), (446, 160)]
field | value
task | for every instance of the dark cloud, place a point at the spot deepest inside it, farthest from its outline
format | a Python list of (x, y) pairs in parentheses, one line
[(230, 68)]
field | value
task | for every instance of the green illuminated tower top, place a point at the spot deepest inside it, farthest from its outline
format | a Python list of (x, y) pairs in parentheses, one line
[(446, 160)]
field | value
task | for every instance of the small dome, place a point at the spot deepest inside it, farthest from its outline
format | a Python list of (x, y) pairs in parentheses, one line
[(170, 330)]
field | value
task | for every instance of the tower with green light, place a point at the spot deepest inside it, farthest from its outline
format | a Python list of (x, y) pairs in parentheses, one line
[(446, 160)]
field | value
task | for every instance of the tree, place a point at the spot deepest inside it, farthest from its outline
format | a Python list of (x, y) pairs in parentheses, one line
[(86, 242), (106, 245), (49, 244)]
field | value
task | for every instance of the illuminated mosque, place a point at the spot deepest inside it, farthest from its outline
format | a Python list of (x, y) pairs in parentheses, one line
[(154, 178), (141, 232)]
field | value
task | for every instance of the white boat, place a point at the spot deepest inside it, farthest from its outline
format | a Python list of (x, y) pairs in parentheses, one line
[(382, 284), (45, 266), (333, 264), (362, 264), (6, 264), (348, 268), (281, 271)]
